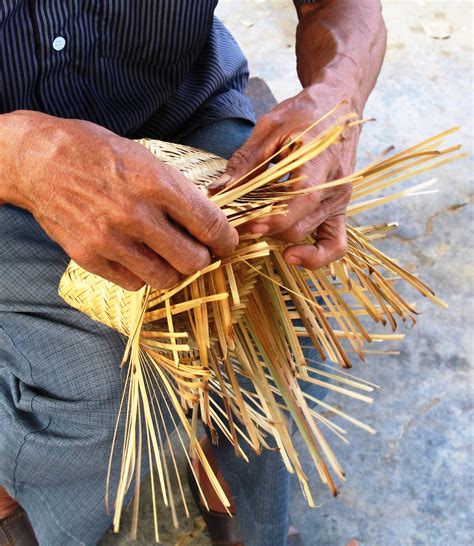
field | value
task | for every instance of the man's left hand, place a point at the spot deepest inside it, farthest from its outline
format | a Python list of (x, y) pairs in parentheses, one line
[(320, 212)]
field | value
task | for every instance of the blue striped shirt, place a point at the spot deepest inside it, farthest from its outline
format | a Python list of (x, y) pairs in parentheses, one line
[(155, 68)]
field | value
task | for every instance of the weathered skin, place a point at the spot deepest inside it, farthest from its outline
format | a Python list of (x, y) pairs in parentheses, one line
[(123, 215), (107, 201), (340, 45)]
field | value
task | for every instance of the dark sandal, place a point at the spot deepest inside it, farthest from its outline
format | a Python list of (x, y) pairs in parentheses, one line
[(224, 529), (16, 530)]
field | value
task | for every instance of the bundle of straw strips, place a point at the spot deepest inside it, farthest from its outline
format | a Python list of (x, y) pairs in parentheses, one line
[(240, 322)]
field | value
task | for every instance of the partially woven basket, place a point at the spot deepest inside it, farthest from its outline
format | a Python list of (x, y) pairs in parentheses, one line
[(243, 318), (105, 301)]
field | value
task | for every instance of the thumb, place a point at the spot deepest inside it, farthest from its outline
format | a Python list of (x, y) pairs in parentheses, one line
[(260, 146)]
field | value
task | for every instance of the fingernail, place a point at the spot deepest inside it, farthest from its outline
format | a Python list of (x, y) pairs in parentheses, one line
[(259, 228), (294, 260), (220, 182)]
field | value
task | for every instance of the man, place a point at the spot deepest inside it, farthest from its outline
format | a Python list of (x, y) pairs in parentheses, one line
[(79, 80)]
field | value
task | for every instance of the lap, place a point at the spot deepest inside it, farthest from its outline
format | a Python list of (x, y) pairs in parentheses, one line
[(60, 383), (222, 137), (60, 356), (60, 387), (55, 362)]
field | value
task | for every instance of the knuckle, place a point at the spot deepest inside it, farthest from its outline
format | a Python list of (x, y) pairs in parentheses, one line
[(294, 234), (345, 192), (280, 223), (214, 227), (239, 158), (340, 248), (265, 122), (85, 259), (312, 197), (126, 256), (169, 279), (196, 260), (132, 285), (95, 243), (125, 214), (163, 277), (125, 210), (332, 154)]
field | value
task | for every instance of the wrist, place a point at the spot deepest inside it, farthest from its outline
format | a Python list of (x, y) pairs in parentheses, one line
[(8, 176), (15, 128), (27, 140), (333, 89)]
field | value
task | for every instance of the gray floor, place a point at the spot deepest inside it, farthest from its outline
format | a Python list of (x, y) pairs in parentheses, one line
[(412, 483)]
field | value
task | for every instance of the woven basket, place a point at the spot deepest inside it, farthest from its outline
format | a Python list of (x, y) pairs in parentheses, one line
[(104, 301), (244, 317)]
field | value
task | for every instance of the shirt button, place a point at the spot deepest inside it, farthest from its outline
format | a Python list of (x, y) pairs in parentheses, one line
[(59, 43)]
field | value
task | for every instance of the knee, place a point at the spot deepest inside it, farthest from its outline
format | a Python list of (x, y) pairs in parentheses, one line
[(94, 375), (82, 379)]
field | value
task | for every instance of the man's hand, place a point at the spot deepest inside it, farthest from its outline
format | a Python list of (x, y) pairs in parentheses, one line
[(320, 211), (340, 46), (109, 203)]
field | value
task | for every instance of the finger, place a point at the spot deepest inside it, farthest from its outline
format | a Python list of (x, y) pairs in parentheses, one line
[(297, 208), (186, 204), (334, 205), (331, 244), (145, 264), (261, 145), (308, 224), (168, 240), (131, 257), (316, 172), (113, 272), (203, 220)]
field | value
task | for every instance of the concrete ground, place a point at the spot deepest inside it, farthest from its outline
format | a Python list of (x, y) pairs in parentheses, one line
[(412, 483)]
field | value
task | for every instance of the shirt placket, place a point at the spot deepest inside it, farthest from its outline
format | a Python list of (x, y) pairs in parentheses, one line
[(54, 41)]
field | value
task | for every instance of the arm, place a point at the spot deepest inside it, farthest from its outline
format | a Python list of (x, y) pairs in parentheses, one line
[(340, 42), (107, 201), (340, 46)]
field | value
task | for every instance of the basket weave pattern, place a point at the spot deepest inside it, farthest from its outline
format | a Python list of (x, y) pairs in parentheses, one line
[(245, 316)]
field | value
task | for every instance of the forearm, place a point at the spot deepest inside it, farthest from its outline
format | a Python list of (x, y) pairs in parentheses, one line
[(341, 43)]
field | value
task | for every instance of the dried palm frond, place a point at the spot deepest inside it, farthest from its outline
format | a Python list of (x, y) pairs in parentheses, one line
[(233, 332)]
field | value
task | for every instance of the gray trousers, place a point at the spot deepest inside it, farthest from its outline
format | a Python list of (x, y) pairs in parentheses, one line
[(60, 387)]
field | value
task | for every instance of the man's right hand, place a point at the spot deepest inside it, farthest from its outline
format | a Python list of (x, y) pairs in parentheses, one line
[(108, 202)]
